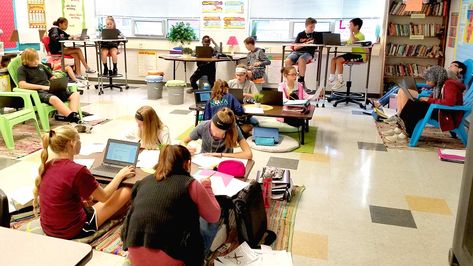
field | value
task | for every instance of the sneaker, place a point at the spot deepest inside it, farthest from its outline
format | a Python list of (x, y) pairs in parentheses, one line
[(392, 132), (191, 90), (80, 77), (80, 84), (393, 120), (90, 71), (396, 137), (338, 85)]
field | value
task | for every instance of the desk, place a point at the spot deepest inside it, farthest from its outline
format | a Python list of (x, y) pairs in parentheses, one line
[(319, 49), (21, 248), (140, 174), (85, 43), (180, 58)]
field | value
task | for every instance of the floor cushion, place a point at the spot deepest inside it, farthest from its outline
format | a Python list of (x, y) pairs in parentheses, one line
[(286, 144)]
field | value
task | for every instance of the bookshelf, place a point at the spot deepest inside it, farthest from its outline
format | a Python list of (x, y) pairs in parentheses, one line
[(414, 40)]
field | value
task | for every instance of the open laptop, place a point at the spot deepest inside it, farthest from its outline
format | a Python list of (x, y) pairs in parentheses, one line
[(407, 85), (109, 34), (83, 35), (202, 97), (318, 37), (272, 98), (331, 38), (237, 93), (58, 84), (204, 52), (118, 154)]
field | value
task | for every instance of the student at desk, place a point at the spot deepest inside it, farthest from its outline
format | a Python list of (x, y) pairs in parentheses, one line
[(241, 81), (110, 48), (219, 99), (219, 136), (204, 68), (151, 131), (162, 225), (292, 89), (64, 189), (337, 62), (57, 33)]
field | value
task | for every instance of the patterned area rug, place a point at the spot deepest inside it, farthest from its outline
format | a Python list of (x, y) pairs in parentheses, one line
[(431, 139), (27, 140)]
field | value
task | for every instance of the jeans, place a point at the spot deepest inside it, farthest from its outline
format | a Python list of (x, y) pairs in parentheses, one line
[(208, 232)]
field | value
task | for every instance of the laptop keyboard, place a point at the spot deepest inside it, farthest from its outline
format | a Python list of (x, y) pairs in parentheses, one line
[(107, 168)]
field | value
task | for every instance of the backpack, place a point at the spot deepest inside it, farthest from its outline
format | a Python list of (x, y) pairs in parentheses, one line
[(250, 216), (232, 167)]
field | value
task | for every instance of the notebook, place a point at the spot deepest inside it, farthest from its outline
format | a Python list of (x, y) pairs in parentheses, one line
[(109, 34), (272, 98), (58, 84), (118, 154), (237, 93), (202, 97), (204, 51)]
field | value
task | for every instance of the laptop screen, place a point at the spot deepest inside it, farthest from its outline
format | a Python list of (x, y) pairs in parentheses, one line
[(202, 96), (125, 153)]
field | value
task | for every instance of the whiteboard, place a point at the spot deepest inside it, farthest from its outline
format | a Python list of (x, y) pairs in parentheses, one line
[(148, 8)]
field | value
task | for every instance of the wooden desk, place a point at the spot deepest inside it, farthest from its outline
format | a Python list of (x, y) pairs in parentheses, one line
[(21, 248), (180, 58), (140, 174)]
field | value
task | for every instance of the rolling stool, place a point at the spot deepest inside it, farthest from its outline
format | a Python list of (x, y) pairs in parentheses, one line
[(110, 77), (348, 96), (259, 83)]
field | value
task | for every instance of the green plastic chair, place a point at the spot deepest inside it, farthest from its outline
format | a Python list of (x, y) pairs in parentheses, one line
[(43, 110), (7, 121)]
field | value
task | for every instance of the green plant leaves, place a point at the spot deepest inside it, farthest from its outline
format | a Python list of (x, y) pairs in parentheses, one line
[(181, 32)]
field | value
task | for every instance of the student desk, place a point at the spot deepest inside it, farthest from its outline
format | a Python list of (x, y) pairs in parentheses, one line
[(75, 43), (21, 248), (140, 174), (318, 51), (180, 58)]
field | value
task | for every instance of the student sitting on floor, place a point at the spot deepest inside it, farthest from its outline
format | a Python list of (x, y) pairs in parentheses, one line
[(290, 87), (336, 64), (445, 92), (219, 136), (219, 99), (64, 190), (34, 76), (151, 131), (242, 82), (110, 48), (162, 225), (256, 60), (204, 68)]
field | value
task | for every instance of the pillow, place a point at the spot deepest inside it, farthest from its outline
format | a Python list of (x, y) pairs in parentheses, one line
[(286, 144), (283, 127)]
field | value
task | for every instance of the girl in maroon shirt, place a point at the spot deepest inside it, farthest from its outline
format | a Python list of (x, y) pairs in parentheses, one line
[(63, 187)]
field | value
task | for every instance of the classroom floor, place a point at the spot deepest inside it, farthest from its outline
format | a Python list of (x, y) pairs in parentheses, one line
[(363, 205)]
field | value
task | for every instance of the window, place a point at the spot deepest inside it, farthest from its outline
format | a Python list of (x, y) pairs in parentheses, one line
[(148, 28), (299, 26), (270, 30)]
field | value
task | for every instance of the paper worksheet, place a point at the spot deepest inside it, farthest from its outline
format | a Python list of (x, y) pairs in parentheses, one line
[(92, 148), (222, 184), (148, 159), (242, 255), (254, 110)]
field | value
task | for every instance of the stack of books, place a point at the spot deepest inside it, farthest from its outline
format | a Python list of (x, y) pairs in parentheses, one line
[(401, 70), (432, 9)]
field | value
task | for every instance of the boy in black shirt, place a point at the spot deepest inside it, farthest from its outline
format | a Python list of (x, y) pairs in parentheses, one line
[(204, 68), (302, 54), (34, 76)]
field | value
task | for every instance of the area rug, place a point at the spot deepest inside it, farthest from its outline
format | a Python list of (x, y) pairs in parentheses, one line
[(431, 139), (27, 140)]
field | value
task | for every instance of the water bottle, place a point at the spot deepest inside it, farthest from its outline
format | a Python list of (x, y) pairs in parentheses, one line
[(206, 86)]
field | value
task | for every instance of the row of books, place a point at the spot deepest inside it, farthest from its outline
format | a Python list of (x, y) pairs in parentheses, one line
[(406, 30), (432, 9), (418, 50), (401, 70)]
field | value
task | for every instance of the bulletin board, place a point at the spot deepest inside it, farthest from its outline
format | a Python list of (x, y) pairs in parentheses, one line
[(7, 23), (73, 10), (464, 44)]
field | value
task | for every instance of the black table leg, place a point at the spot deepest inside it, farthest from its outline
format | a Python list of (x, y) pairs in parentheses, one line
[(174, 69), (197, 117), (303, 132)]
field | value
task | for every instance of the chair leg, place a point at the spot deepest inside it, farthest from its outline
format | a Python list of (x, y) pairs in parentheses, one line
[(7, 134), (44, 120), (462, 135), (417, 132), (38, 130)]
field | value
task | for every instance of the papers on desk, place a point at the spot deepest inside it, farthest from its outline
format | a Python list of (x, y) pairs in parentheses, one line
[(210, 162), (296, 102), (244, 255), (222, 184), (253, 110), (92, 148), (91, 118), (148, 159), (87, 162), (20, 198)]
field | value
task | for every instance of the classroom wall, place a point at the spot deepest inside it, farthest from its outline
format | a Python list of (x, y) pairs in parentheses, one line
[(450, 51)]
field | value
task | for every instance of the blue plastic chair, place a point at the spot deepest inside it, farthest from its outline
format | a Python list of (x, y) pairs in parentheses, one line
[(469, 72), (460, 130)]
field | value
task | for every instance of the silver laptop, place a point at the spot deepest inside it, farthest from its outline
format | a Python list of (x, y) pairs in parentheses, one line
[(83, 35), (118, 154), (407, 85)]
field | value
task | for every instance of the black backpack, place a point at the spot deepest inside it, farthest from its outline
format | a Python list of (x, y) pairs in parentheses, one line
[(4, 210), (250, 215)]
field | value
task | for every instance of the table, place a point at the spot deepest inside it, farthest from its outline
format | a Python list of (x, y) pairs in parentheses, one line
[(277, 111), (85, 43), (21, 248), (180, 58), (140, 174), (319, 50)]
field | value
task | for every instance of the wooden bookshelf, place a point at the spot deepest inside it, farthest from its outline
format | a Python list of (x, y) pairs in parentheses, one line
[(425, 48)]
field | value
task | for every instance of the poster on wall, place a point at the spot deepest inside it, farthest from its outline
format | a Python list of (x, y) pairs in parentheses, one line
[(211, 22), (36, 14), (464, 44), (212, 6), (234, 23), (235, 7), (7, 24), (73, 10)]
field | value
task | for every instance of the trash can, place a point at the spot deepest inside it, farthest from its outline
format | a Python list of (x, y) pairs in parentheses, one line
[(155, 87), (175, 91)]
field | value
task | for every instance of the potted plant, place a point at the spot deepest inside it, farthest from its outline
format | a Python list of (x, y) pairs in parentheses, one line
[(258, 98), (187, 52), (181, 33)]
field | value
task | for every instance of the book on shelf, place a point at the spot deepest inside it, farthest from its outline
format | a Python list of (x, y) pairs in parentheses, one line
[(401, 70), (412, 50), (435, 8)]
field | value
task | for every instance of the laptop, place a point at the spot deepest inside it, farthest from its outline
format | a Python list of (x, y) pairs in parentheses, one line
[(331, 38), (118, 154), (407, 85), (272, 98), (83, 35), (109, 34), (204, 52), (202, 97), (237, 93), (318, 37), (58, 84)]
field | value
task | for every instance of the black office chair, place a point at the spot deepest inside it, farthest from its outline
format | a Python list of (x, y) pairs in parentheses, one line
[(348, 96)]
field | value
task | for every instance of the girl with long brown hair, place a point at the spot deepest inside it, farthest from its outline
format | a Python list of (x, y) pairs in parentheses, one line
[(151, 131), (62, 187), (220, 98), (220, 136), (162, 225)]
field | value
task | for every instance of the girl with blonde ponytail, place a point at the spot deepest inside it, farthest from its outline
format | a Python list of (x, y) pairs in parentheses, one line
[(62, 187)]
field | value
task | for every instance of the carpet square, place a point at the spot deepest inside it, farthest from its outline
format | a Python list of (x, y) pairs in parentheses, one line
[(5, 162), (392, 216), (315, 157), (430, 205), (283, 163), (371, 146), (310, 245), (180, 112)]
